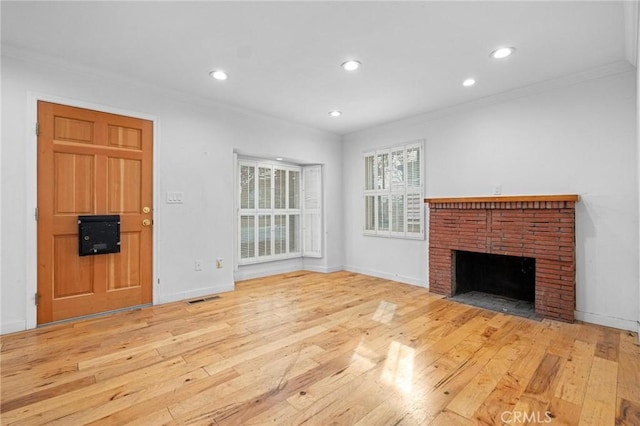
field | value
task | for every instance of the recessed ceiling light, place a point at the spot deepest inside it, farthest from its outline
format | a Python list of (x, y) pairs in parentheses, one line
[(335, 113), (468, 82), (351, 65), (279, 158), (502, 52), (218, 74)]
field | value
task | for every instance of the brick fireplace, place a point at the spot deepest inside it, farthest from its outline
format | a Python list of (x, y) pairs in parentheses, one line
[(541, 227)]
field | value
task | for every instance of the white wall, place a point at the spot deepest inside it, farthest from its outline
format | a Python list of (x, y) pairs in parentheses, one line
[(579, 138), (194, 147), (1, 223), (637, 45), (573, 139)]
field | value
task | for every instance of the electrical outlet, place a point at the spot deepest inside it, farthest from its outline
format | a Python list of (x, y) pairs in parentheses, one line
[(219, 263), (497, 189), (198, 265)]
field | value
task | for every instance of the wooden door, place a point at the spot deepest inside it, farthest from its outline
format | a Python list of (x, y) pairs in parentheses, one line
[(92, 163)]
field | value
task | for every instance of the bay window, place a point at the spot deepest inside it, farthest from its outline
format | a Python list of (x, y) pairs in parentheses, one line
[(279, 217)]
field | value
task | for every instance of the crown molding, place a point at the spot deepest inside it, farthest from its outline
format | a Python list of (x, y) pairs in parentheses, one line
[(611, 69), (631, 18), (38, 58)]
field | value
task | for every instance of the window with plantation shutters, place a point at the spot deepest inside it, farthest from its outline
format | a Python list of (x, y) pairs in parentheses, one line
[(247, 186), (312, 216), (393, 192), (279, 211)]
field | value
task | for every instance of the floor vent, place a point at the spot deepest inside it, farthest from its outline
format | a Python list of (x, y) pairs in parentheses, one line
[(206, 299)]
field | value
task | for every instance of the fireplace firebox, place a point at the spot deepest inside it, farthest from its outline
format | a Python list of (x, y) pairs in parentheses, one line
[(509, 276)]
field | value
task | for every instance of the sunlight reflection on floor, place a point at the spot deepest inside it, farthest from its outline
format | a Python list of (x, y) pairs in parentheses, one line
[(398, 368), (385, 312), (363, 359)]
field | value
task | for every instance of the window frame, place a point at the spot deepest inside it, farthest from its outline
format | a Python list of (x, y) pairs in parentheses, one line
[(379, 184), (260, 210)]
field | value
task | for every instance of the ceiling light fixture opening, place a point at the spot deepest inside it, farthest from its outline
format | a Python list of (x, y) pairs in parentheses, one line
[(335, 113), (502, 52), (469, 82), (351, 65), (218, 74), (279, 158)]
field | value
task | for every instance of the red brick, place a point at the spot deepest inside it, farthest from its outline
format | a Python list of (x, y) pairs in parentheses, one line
[(542, 230)]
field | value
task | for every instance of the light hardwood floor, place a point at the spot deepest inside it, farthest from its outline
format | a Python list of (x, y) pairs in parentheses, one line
[(310, 348)]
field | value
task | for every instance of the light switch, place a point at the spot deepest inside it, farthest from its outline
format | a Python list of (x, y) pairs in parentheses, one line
[(174, 197)]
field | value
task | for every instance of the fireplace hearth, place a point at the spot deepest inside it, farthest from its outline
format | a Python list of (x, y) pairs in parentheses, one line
[(495, 303), (540, 228)]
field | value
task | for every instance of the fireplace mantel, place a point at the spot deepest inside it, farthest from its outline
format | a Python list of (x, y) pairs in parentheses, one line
[(505, 199)]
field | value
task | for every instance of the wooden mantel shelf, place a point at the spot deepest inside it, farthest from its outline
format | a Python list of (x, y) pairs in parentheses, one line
[(505, 199)]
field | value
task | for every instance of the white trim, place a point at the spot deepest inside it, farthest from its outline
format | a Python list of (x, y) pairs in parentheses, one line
[(636, 22), (323, 269), (409, 144), (247, 273), (388, 276), (12, 327), (1, 287), (631, 11), (270, 258), (259, 270), (614, 68), (31, 202), (22, 54), (607, 321), (318, 226), (186, 295), (236, 212), (31, 188)]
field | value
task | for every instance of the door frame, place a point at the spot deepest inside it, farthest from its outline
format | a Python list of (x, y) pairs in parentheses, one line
[(31, 192)]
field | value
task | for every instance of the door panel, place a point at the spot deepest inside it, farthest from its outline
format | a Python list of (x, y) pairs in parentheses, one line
[(124, 137), (92, 163), (124, 185), (73, 183), (70, 130), (124, 268), (72, 274)]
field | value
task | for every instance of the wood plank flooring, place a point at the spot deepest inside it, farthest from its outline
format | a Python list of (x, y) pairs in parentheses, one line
[(308, 348)]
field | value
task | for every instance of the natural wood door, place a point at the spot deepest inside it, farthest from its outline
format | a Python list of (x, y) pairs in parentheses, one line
[(92, 163)]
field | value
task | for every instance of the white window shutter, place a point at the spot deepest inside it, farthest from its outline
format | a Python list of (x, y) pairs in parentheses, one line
[(393, 203), (312, 211)]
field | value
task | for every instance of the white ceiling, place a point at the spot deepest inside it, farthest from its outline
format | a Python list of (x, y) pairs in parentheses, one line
[(283, 58)]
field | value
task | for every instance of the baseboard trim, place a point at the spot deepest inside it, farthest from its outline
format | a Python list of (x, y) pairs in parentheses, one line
[(186, 295), (324, 269), (607, 321), (388, 276), (241, 275), (12, 327)]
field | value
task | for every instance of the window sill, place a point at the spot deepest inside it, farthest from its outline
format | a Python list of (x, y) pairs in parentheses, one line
[(416, 237), (267, 259)]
